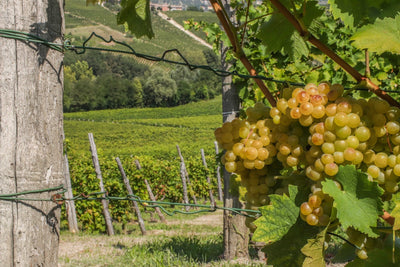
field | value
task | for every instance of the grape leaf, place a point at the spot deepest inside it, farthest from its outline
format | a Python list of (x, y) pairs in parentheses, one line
[(359, 204), (314, 250), (382, 36), (287, 251), (277, 33), (277, 218), (356, 12), (136, 14)]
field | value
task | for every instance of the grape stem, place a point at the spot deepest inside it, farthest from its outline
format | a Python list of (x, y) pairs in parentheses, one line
[(335, 57), (231, 32), (388, 218)]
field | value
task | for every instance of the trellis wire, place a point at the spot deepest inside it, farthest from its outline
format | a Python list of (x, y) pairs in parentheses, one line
[(81, 49), (59, 199)]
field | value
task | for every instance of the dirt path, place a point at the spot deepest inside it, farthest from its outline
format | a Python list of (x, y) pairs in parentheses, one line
[(178, 26)]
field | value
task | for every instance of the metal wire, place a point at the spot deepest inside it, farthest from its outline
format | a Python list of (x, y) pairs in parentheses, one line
[(81, 49)]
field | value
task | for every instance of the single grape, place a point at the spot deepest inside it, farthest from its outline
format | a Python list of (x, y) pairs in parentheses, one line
[(341, 119), (306, 108), (362, 254), (230, 166), (311, 219), (362, 133), (305, 208), (331, 169), (331, 110)]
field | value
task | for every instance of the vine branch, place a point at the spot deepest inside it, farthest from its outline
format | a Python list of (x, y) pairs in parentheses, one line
[(335, 57), (231, 33)]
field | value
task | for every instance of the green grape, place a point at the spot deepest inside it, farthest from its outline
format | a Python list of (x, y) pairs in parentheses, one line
[(344, 106), (316, 100), (311, 219), (248, 164), (343, 132), (329, 123), (341, 119), (352, 141), (331, 110), (319, 166), (297, 151), (305, 208), (396, 169), (362, 133), (230, 166), (362, 254), (378, 104), (393, 127), (338, 157), (329, 136), (244, 132), (282, 105), (295, 113), (340, 145), (323, 220), (314, 201), (313, 174), (292, 161), (230, 155), (328, 148), (331, 169), (251, 153), (306, 108), (306, 120), (262, 153), (380, 131), (359, 158), (302, 96), (257, 144), (324, 88), (391, 186), (378, 119), (327, 158), (381, 160), (284, 149), (392, 160), (292, 103), (393, 114), (317, 139), (265, 140), (349, 154), (353, 120), (259, 164)]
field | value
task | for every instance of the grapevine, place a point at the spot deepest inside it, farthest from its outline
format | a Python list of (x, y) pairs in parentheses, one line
[(306, 140)]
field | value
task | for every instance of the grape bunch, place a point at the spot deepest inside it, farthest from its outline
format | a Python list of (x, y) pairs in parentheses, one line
[(311, 132)]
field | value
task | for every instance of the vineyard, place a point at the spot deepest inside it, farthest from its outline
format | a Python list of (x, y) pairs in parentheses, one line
[(137, 134)]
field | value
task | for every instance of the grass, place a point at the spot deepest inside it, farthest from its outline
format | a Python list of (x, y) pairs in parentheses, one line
[(148, 131), (185, 240)]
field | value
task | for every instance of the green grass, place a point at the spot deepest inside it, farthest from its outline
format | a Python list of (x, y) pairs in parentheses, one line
[(148, 131), (180, 242)]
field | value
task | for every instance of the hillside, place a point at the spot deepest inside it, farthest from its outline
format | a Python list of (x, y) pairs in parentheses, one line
[(82, 20), (148, 131)]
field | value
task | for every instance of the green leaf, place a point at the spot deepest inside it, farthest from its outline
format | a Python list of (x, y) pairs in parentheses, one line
[(314, 251), (355, 12), (382, 36), (277, 218), (359, 204), (277, 34), (287, 251), (136, 14)]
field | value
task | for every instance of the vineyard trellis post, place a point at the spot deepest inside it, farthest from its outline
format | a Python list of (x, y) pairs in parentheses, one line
[(151, 195), (135, 204), (31, 130), (203, 157), (104, 202), (70, 204)]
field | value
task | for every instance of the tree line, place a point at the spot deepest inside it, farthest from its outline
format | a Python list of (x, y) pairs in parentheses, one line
[(97, 80)]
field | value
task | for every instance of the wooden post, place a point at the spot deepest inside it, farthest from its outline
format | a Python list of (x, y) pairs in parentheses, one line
[(128, 187), (70, 204), (96, 164), (189, 184), (220, 194), (151, 195), (183, 178), (203, 157)]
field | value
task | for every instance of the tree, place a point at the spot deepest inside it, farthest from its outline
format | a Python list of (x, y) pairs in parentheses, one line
[(159, 89), (31, 130)]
